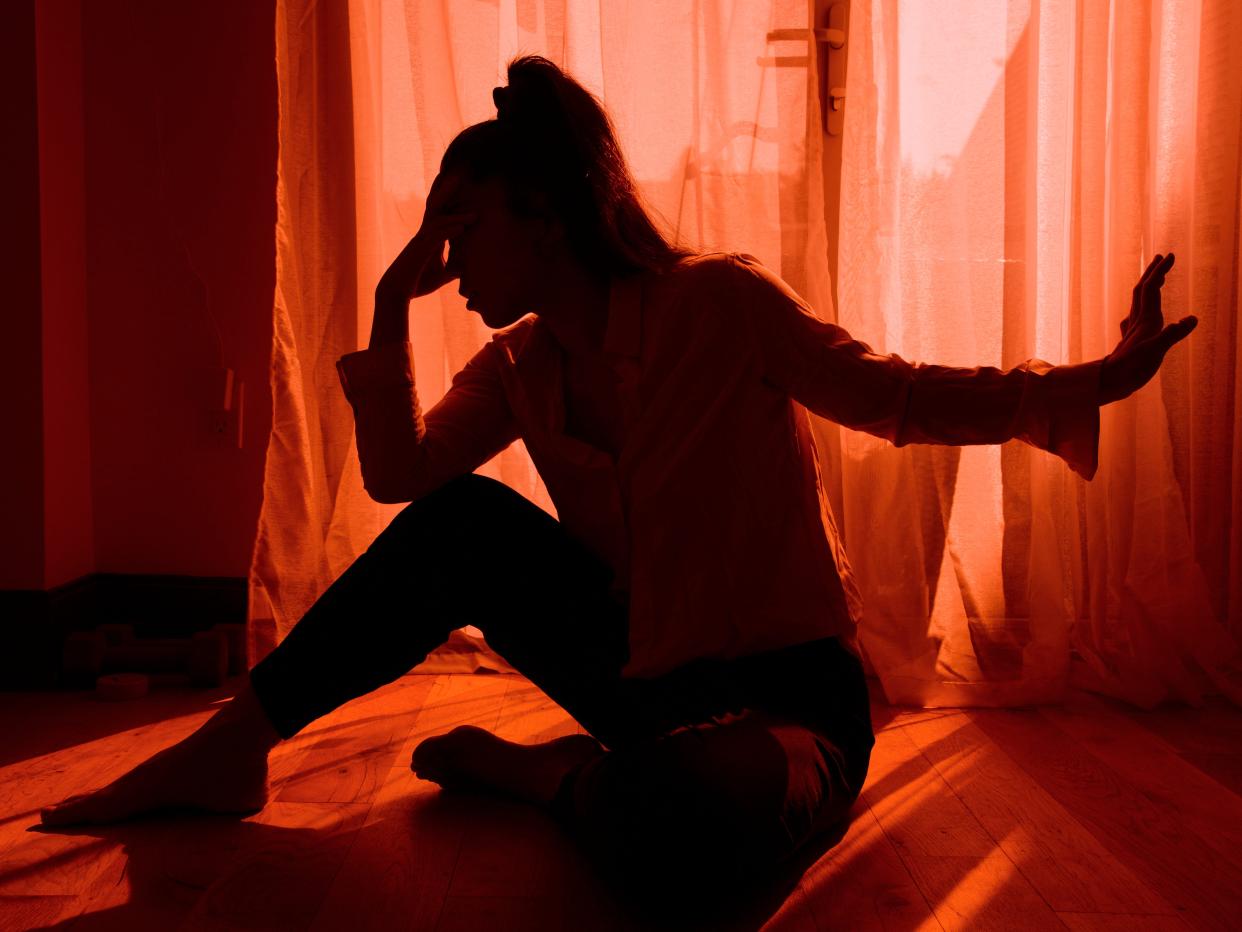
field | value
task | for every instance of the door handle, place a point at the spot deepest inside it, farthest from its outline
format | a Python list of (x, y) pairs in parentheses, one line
[(832, 76)]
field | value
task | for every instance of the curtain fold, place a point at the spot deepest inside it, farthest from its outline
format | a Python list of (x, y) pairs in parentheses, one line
[(1008, 172)]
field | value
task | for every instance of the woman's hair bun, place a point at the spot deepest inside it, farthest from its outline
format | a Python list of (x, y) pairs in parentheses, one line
[(534, 91), (548, 114), (500, 97), (544, 103)]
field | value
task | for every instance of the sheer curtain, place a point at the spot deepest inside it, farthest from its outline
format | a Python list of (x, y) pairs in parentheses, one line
[(1008, 172), (721, 128)]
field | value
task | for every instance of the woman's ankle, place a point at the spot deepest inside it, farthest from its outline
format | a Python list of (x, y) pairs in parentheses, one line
[(246, 720)]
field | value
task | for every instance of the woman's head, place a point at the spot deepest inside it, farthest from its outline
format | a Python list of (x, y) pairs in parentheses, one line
[(551, 159)]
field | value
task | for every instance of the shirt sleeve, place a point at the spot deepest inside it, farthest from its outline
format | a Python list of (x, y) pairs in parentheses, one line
[(405, 455), (1054, 408)]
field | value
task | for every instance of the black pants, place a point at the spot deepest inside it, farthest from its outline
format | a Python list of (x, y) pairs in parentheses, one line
[(715, 773)]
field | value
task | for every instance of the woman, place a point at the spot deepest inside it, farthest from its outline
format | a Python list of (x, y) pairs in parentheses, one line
[(692, 608)]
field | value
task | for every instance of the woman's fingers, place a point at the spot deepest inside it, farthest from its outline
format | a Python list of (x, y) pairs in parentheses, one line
[(1148, 357), (1145, 339), (1146, 319), (443, 187), (1147, 273), (1151, 292), (1154, 348), (1137, 296), (1175, 333), (459, 220), (1151, 266), (448, 225), (443, 204), (1158, 270)]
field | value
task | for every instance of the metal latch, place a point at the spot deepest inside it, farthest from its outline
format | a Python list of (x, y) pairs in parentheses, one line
[(832, 77)]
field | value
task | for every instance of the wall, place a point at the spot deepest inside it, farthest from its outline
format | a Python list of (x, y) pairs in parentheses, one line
[(21, 486), (68, 519), (180, 107), (141, 179), (180, 127)]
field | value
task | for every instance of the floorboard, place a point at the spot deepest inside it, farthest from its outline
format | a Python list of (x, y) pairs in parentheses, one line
[(1065, 864), (1089, 816), (1148, 838), (965, 878)]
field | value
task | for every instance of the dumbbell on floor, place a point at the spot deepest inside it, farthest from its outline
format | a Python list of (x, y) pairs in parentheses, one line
[(201, 660)]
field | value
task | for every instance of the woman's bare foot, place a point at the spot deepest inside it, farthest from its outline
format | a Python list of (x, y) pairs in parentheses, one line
[(222, 767), (469, 757)]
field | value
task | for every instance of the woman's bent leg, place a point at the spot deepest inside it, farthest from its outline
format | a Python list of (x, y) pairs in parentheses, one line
[(708, 811), (470, 553), (772, 750), (467, 552)]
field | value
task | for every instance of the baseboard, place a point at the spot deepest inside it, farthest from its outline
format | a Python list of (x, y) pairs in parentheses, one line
[(33, 624)]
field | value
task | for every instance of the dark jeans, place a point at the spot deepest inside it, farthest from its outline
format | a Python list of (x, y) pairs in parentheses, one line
[(714, 773)]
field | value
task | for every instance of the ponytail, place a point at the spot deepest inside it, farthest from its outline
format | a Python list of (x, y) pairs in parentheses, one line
[(552, 137)]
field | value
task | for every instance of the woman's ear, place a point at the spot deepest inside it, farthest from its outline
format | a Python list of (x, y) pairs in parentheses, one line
[(554, 236), (549, 233)]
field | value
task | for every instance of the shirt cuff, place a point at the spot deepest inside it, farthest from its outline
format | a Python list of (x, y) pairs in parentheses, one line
[(1073, 411), (387, 366)]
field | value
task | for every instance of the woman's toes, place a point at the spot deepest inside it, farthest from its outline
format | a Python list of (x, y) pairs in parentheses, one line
[(470, 757), (81, 809), (188, 775), (450, 748), (428, 756), (467, 756), (63, 813)]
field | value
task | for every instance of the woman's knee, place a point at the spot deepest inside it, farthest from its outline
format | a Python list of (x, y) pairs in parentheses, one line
[(462, 495), (458, 511)]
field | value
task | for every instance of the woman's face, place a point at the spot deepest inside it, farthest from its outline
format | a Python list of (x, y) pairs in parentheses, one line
[(497, 259)]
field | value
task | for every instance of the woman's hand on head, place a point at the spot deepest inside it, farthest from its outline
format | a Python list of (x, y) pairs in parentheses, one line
[(1145, 337), (419, 269)]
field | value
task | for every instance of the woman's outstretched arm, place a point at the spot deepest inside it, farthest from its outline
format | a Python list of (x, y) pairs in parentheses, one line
[(1054, 408)]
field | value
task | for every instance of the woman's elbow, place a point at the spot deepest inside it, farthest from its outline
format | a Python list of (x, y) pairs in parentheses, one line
[(386, 493)]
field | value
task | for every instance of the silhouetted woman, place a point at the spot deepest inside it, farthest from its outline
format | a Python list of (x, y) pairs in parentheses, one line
[(692, 608)]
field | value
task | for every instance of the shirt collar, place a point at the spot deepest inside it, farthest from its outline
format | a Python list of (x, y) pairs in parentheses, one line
[(623, 335)]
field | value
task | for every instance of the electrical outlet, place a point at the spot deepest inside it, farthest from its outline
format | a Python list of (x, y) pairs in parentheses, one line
[(222, 425), (218, 425)]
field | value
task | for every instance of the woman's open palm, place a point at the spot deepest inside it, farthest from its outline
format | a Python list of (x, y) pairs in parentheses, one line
[(1144, 337)]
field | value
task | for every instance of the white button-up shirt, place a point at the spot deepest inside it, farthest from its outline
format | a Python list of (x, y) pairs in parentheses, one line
[(713, 516)]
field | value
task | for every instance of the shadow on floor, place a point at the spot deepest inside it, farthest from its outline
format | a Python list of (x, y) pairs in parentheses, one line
[(168, 870)]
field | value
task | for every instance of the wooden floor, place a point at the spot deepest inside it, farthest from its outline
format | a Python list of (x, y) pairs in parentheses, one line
[(1087, 816)]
